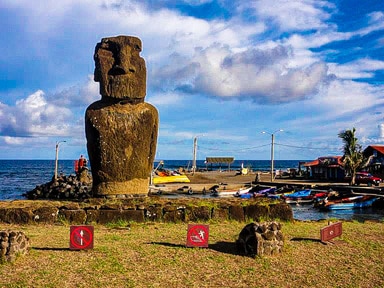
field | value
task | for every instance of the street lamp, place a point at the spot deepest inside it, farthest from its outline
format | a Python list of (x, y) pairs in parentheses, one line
[(272, 148), (194, 166), (57, 157), (194, 155)]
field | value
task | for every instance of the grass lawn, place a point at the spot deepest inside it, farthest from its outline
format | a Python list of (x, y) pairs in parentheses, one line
[(154, 255)]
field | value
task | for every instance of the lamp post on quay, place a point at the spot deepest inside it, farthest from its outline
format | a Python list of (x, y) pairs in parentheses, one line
[(194, 165), (57, 157), (272, 148)]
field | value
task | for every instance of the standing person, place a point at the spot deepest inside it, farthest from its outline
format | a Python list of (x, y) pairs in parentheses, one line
[(82, 170), (81, 163)]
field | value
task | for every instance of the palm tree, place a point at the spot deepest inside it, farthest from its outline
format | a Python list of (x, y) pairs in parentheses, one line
[(353, 158)]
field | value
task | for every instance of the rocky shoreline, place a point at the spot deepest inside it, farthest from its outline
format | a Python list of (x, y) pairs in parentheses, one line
[(65, 187)]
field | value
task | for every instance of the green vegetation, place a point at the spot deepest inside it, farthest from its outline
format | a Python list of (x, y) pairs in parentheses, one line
[(353, 157), (154, 255)]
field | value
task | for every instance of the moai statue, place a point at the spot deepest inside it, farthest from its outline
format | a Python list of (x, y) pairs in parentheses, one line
[(121, 129)]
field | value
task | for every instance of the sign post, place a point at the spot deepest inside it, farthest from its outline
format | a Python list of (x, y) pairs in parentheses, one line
[(331, 231), (81, 237), (197, 235)]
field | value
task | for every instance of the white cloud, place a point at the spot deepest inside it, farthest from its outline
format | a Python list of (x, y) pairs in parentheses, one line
[(164, 99), (34, 116), (293, 15), (376, 23), (78, 96), (262, 75), (361, 68), (14, 140), (257, 59)]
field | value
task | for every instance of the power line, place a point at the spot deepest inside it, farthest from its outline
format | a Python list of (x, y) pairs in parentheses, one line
[(309, 148), (233, 150), (265, 145)]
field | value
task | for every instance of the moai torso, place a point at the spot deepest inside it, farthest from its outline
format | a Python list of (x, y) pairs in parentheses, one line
[(121, 129)]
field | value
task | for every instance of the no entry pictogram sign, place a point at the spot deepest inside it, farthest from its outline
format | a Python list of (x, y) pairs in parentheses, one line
[(81, 237), (331, 231), (197, 235)]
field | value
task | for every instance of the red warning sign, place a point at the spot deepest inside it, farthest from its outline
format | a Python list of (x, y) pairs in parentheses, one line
[(197, 235), (331, 231), (81, 237)]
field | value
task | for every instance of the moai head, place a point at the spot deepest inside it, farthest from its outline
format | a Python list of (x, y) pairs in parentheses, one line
[(120, 69)]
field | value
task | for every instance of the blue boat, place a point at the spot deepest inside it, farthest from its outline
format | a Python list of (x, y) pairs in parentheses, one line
[(302, 196), (357, 202)]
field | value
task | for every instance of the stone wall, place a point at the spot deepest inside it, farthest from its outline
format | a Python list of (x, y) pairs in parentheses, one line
[(261, 239), (13, 244), (102, 211)]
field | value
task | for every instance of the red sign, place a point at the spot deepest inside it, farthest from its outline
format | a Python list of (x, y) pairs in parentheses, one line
[(331, 231), (81, 237), (197, 235)]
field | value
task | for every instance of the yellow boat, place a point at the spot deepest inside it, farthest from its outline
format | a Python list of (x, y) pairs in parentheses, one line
[(171, 179)]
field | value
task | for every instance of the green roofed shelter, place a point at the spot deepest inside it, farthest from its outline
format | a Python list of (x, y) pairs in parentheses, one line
[(220, 161)]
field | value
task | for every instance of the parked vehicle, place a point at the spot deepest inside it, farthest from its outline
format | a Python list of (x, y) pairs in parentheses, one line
[(365, 178)]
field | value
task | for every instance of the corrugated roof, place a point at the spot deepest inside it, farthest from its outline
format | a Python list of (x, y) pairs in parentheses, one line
[(227, 160), (379, 148), (324, 161), (312, 163)]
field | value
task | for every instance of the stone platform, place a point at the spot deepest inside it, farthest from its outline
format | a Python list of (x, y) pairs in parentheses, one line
[(103, 211)]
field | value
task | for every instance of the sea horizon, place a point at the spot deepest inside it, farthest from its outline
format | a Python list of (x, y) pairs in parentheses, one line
[(18, 176)]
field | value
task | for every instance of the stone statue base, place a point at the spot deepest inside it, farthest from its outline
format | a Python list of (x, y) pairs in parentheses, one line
[(121, 141), (135, 187)]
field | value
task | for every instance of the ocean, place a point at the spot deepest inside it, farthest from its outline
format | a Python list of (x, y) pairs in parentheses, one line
[(20, 176)]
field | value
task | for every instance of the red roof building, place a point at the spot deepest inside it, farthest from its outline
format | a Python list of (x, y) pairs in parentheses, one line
[(326, 168), (376, 164)]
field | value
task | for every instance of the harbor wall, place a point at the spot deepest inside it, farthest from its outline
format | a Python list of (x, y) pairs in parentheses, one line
[(149, 209)]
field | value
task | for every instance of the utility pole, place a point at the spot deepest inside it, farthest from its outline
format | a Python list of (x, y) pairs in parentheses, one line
[(57, 158), (272, 151), (194, 155)]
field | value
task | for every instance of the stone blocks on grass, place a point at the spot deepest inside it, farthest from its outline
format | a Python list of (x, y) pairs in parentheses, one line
[(261, 239), (13, 244)]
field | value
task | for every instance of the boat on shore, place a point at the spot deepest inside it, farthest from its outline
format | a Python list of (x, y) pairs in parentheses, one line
[(163, 176), (347, 203), (170, 179), (298, 197), (215, 192)]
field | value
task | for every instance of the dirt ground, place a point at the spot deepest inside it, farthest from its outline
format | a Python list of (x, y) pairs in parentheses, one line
[(232, 180), (215, 177), (227, 180)]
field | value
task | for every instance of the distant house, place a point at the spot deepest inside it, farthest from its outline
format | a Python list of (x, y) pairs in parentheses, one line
[(376, 164), (326, 168)]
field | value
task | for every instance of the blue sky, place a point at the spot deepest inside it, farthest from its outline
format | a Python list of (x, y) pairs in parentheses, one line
[(221, 71)]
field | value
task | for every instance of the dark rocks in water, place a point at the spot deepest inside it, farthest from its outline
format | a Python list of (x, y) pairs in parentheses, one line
[(65, 187)]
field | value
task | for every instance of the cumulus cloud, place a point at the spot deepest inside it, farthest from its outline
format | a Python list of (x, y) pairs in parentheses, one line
[(262, 75), (34, 116), (292, 15)]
